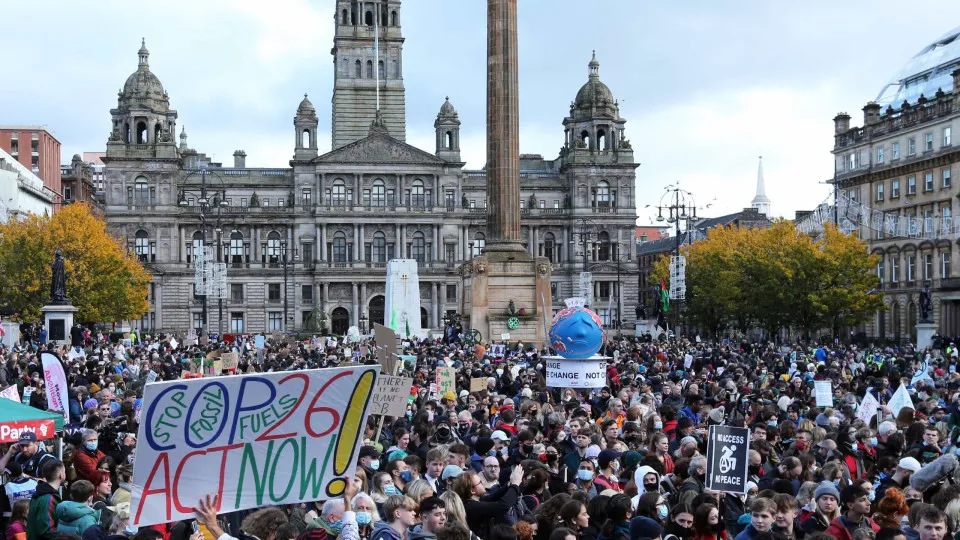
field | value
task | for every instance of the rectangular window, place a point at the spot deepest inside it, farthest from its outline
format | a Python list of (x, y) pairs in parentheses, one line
[(473, 204), (879, 155), (928, 181), (34, 163), (928, 142), (306, 197), (280, 202), (852, 161), (236, 322), (273, 292), (894, 268), (944, 264), (927, 266), (306, 292), (243, 202), (911, 146), (68, 193), (880, 275), (911, 266), (266, 202), (451, 293), (604, 290), (895, 151), (895, 189), (450, 199), (911, 185), (198, 321), (236, 292), (543, 204), (852, 194), (880, 191), (306, 318), (274, 321), (946, 178), (947, 136), (450, 252), (556, 205), (555, 289)]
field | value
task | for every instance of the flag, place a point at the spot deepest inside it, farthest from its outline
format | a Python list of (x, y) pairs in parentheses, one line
[(664, 296)]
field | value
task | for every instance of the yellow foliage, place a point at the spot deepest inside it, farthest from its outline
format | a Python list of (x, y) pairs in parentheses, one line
[(104, 281)]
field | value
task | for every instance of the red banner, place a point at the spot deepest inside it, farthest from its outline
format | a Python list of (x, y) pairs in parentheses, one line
[(10, 431)]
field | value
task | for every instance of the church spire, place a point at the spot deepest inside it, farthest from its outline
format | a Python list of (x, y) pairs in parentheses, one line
[(761, 202)]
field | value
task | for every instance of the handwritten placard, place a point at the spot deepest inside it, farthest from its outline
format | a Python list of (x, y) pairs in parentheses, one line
[(255, 440), (478, 383), (446, 380), (391, 396), (230, 360)]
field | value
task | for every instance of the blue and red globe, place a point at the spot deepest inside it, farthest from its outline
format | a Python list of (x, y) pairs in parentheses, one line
[(576, 333)]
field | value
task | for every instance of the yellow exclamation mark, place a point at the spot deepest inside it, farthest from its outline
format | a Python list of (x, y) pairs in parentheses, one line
[(349, 429)]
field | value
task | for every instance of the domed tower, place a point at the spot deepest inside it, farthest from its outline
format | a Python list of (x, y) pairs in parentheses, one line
[(594, 127), (448, 133), (305, 129), (144, 125)]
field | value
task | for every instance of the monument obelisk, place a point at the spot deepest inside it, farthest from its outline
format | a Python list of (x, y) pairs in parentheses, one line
[(505, 279)]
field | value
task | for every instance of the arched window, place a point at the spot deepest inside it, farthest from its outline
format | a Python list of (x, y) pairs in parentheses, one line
[(273, 247), (339, 193), (479, 242), (603, 247), (448, 140), (142, 133), (378, 195), (369, 69), (603, 194), (305, 139), (126, 133), (343, 17), (368, 18), (379, 247), (141, 192), (419, 247), (383, 71), (142, 246), (417, 194), (393, 19), (549, 246), (357, 69), (156, 132), (585, 139), (601, 140), (236, 247), (340, 247)]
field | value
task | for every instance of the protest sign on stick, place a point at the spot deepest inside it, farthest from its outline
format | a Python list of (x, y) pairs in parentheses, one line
[(255, 440), (391, 396)]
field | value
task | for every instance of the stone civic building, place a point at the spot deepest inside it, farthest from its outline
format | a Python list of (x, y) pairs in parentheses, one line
[(310, 242), (900, 162)]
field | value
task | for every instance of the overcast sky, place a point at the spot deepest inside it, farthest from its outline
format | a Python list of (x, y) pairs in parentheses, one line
[(705, 86)]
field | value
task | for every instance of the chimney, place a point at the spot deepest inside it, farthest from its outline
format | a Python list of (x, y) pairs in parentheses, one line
[(871, 114), (239, 159), (841, 123)]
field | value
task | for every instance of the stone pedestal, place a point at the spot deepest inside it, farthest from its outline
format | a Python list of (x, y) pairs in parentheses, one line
[(58, 319), (925, 332), (645, 326), (490, 283)]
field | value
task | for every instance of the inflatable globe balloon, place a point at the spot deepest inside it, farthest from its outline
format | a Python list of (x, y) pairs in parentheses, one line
[(576, 333)]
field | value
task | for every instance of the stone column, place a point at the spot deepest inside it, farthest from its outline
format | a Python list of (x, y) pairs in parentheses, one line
[(433, 304), (356, 242), (362, 250), (355, 305), (396, 250), (325, 292), (322, 236), (363, 298), (436, 243), (503, 146), (442, 298)]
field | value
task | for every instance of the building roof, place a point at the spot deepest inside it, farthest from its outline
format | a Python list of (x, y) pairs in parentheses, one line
[(928, 71), (710, 223), (661, 245), (27, 127)]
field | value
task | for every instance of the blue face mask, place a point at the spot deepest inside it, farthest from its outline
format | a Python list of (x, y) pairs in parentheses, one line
[(406, 476), (91, 446), (836, 483), (871, 495), (375, 465), (391, 490), (364, 518), (873, 442), (663, 512), (585, 475), (334, 526)]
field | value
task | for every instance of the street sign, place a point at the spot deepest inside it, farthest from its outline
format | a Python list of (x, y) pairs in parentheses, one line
[(727, 459)]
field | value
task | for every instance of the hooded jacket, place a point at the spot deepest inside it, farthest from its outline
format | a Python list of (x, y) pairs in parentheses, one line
[(383, 531), (74, 517), (417, 532), (42, 518), (638, 480)]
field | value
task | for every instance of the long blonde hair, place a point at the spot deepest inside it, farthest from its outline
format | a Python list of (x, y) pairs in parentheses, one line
[(455, 509)]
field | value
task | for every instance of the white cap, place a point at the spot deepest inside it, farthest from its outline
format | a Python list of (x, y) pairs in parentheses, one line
[(887, 427), (464, 393), (592, 451), (499, 436), (909, 464), (527, 393)]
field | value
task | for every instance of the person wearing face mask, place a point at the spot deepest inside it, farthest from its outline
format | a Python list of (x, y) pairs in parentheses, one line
[(581, 439), (647, 481), (369, 460), (87, 456), (693, 487), (584, 479), (608, 476), (524, 449), (681, 522), (707, 524)]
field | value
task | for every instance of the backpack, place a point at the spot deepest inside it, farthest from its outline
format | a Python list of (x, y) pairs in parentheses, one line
[(516, 511)]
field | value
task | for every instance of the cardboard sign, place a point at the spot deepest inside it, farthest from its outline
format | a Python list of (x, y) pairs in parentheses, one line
[(390, 398), (868, 408), (478, 383), (505, 337), (173, 344), (498, 350), (257, 440), (446, 380), (214, 354), (727, 459), (217, 368), (258, 341), (563, 373), (230, 360), (27, 392), (386, 348), (151, 376), (823, 390)]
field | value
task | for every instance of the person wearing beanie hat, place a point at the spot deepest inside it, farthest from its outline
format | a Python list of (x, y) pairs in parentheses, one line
[(642, 528), (900, 478), (826, 499), (482, 449), (854, 512)]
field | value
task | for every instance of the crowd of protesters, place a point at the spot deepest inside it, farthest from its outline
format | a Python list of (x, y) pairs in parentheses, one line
[(522, 461)]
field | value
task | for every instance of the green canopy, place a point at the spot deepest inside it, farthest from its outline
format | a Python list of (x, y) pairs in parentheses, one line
[(17, 417)]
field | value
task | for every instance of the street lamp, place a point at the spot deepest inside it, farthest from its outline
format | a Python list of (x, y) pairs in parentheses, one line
[(292, 260), (680, 206), (363, 323)]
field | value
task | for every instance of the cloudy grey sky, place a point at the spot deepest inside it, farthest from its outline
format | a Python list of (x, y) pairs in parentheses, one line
[(706, 86)]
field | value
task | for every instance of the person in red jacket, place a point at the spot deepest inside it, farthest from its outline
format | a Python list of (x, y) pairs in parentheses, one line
[(88, 456), (855, 503)]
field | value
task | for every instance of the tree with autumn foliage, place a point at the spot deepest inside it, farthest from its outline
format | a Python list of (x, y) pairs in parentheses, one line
[(105, 282), (777, 278)]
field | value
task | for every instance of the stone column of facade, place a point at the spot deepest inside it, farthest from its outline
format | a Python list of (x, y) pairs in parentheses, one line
[(442, 298), (183, 245), (503, 141), (325, 294), (436, 243), (158, 305), (354, 305), (433, 304), (398, 198), (398, 253), (363, 299), (362, 250)]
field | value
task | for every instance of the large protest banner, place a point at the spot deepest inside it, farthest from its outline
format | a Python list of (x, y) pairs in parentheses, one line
[(563, 373), (284, 438), (727, 459)]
